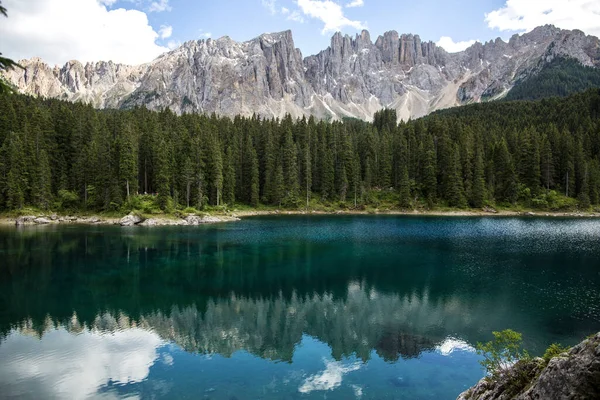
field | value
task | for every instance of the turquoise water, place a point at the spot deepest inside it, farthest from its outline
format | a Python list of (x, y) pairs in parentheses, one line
[(364, 307)]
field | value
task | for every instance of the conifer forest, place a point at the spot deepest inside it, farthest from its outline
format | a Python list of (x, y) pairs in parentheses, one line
[(69, 156)]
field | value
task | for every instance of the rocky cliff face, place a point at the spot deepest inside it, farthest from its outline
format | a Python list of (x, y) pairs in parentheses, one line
[(353, 77), (572, 375)]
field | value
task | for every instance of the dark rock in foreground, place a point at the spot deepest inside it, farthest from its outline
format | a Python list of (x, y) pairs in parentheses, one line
[(571, 375)]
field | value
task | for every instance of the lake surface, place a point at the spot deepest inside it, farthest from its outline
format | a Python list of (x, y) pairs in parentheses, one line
[(364, 307)]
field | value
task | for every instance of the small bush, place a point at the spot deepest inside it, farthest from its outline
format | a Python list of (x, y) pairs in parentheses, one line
[(190, 210), (67, 199), (502, 352), (554, 350)]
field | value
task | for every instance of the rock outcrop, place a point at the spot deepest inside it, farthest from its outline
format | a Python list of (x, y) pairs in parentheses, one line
[(571, 375), (131, 220), (353, 77)]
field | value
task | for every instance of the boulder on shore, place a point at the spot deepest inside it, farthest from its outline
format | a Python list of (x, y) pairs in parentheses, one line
[(25, 219), (41, 221), (130, 220), (574, 374)]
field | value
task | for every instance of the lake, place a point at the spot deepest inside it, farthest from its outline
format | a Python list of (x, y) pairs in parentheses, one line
[(286, 307)]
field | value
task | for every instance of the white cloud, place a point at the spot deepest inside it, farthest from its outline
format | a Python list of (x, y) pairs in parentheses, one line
[(85, 30), (295, 16), (525, 15), (330, 13), (451, 46), (205, 35), (329, 379), (165, 31), (290, 15), (270, 5), (450, 345), (356, 3), (62, 365), (107, 2), (173, 44), (160, 6)]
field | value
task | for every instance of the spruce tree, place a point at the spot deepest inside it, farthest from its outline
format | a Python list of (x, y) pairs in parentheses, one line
[(404, 189), (229, 178), (478, 188)]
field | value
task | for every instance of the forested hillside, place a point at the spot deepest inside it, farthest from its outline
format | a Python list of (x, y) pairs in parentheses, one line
[(561, 77), (64, 156)]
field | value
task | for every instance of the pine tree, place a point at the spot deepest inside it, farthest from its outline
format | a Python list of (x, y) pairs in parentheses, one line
[(478, 189), (254, 178), (278, 185), (455, 193), (229, 178), (429, 172), (162, 175), (187, 176), (584, 193), (128, 161), (42, 186), (327, 176), (404, 189), (290, 169), (17, 180), (547, 163), (505, 176)]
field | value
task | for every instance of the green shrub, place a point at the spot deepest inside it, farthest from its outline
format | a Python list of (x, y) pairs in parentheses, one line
[(67, 199), (554, 350), (502, 352)]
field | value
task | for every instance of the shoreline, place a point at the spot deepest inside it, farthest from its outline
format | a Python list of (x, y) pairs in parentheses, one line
[(235, 215)]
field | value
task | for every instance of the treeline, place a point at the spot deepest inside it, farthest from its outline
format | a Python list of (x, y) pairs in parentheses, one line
[(59, 155), (561, 77)]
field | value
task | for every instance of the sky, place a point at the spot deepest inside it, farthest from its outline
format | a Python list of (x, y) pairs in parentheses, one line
[(137, 31)]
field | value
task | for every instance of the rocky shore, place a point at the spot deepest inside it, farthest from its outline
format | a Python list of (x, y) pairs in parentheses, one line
[(192, 220), (574, 374), (128, 220)]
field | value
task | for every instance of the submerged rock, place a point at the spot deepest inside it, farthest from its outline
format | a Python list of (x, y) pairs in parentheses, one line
[(574, 374)]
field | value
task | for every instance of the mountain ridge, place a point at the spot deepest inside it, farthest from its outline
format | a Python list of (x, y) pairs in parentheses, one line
[(268, 76)]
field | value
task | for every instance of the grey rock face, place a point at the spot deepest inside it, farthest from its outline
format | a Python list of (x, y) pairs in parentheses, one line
[(572, 375), (353, 77)]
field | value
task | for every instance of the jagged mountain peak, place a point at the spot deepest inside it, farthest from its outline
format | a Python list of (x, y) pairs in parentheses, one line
[(353, 77)]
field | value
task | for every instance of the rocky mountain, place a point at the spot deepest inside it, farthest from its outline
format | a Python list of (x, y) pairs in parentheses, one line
[(353, 77)]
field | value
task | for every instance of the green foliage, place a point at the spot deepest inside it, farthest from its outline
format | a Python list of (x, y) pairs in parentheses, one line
[(190, 210), (554, 350), (543, 155), (502, 352), (67, 199), (560, 77)]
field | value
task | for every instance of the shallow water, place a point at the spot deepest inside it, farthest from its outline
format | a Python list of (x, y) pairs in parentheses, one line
[(369, 307)]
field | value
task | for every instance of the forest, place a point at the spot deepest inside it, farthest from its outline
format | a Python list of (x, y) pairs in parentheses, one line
[(62, 156), (560, 77)]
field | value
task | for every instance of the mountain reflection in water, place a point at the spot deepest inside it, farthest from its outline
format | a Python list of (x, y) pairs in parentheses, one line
[(359, 307)]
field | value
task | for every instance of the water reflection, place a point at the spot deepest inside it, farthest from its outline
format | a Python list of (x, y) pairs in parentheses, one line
[(391, 325), (70, 362), (354, 307)]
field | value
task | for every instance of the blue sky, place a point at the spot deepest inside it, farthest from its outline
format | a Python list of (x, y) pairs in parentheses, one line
[(462, 20), (136, 31)]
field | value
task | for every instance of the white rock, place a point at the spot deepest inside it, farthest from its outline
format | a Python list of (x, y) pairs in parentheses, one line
[(25, 219), (130, 220)]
